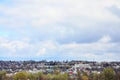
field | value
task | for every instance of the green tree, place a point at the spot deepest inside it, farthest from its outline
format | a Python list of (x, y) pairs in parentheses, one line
[(41, 76), (60, 76), (20, 76), (65, 76), (84, 77), (108, 73), (91, 76), (49, 77), (31, 76), (56, 77), (95, 76)]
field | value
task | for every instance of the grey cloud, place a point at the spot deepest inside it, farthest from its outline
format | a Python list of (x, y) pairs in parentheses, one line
[(115, 11)]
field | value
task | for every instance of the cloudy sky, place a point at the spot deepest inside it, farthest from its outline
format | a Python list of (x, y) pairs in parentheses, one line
[(60, 30)]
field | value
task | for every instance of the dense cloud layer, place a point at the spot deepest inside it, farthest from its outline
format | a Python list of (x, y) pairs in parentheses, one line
[(60, 30)]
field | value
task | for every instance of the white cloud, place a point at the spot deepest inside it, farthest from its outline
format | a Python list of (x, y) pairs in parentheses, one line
[(105, 39), (46, 48), (41, 52), (55, 20), (12, 47), (100, 51), (40, 13)]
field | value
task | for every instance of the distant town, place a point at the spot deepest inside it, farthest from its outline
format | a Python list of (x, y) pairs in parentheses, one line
[(63, 66), (71, 70)]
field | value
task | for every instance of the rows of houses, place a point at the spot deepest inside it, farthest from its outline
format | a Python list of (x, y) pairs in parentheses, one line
[(70, 67)]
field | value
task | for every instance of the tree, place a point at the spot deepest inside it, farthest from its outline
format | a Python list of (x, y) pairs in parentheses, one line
[(78, 75), (56, 72), (84, 77), (65, 76), (2, 75), (40, 76), (108, 73), (49, 77), (56, 77), (31, 76), (117, 76), (20, 76), (95, 76)]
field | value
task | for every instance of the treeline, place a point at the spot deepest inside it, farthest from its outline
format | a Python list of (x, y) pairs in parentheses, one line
[(106, 74)]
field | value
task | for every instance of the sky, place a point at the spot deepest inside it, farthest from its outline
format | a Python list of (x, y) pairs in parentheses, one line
[(60, 30)]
